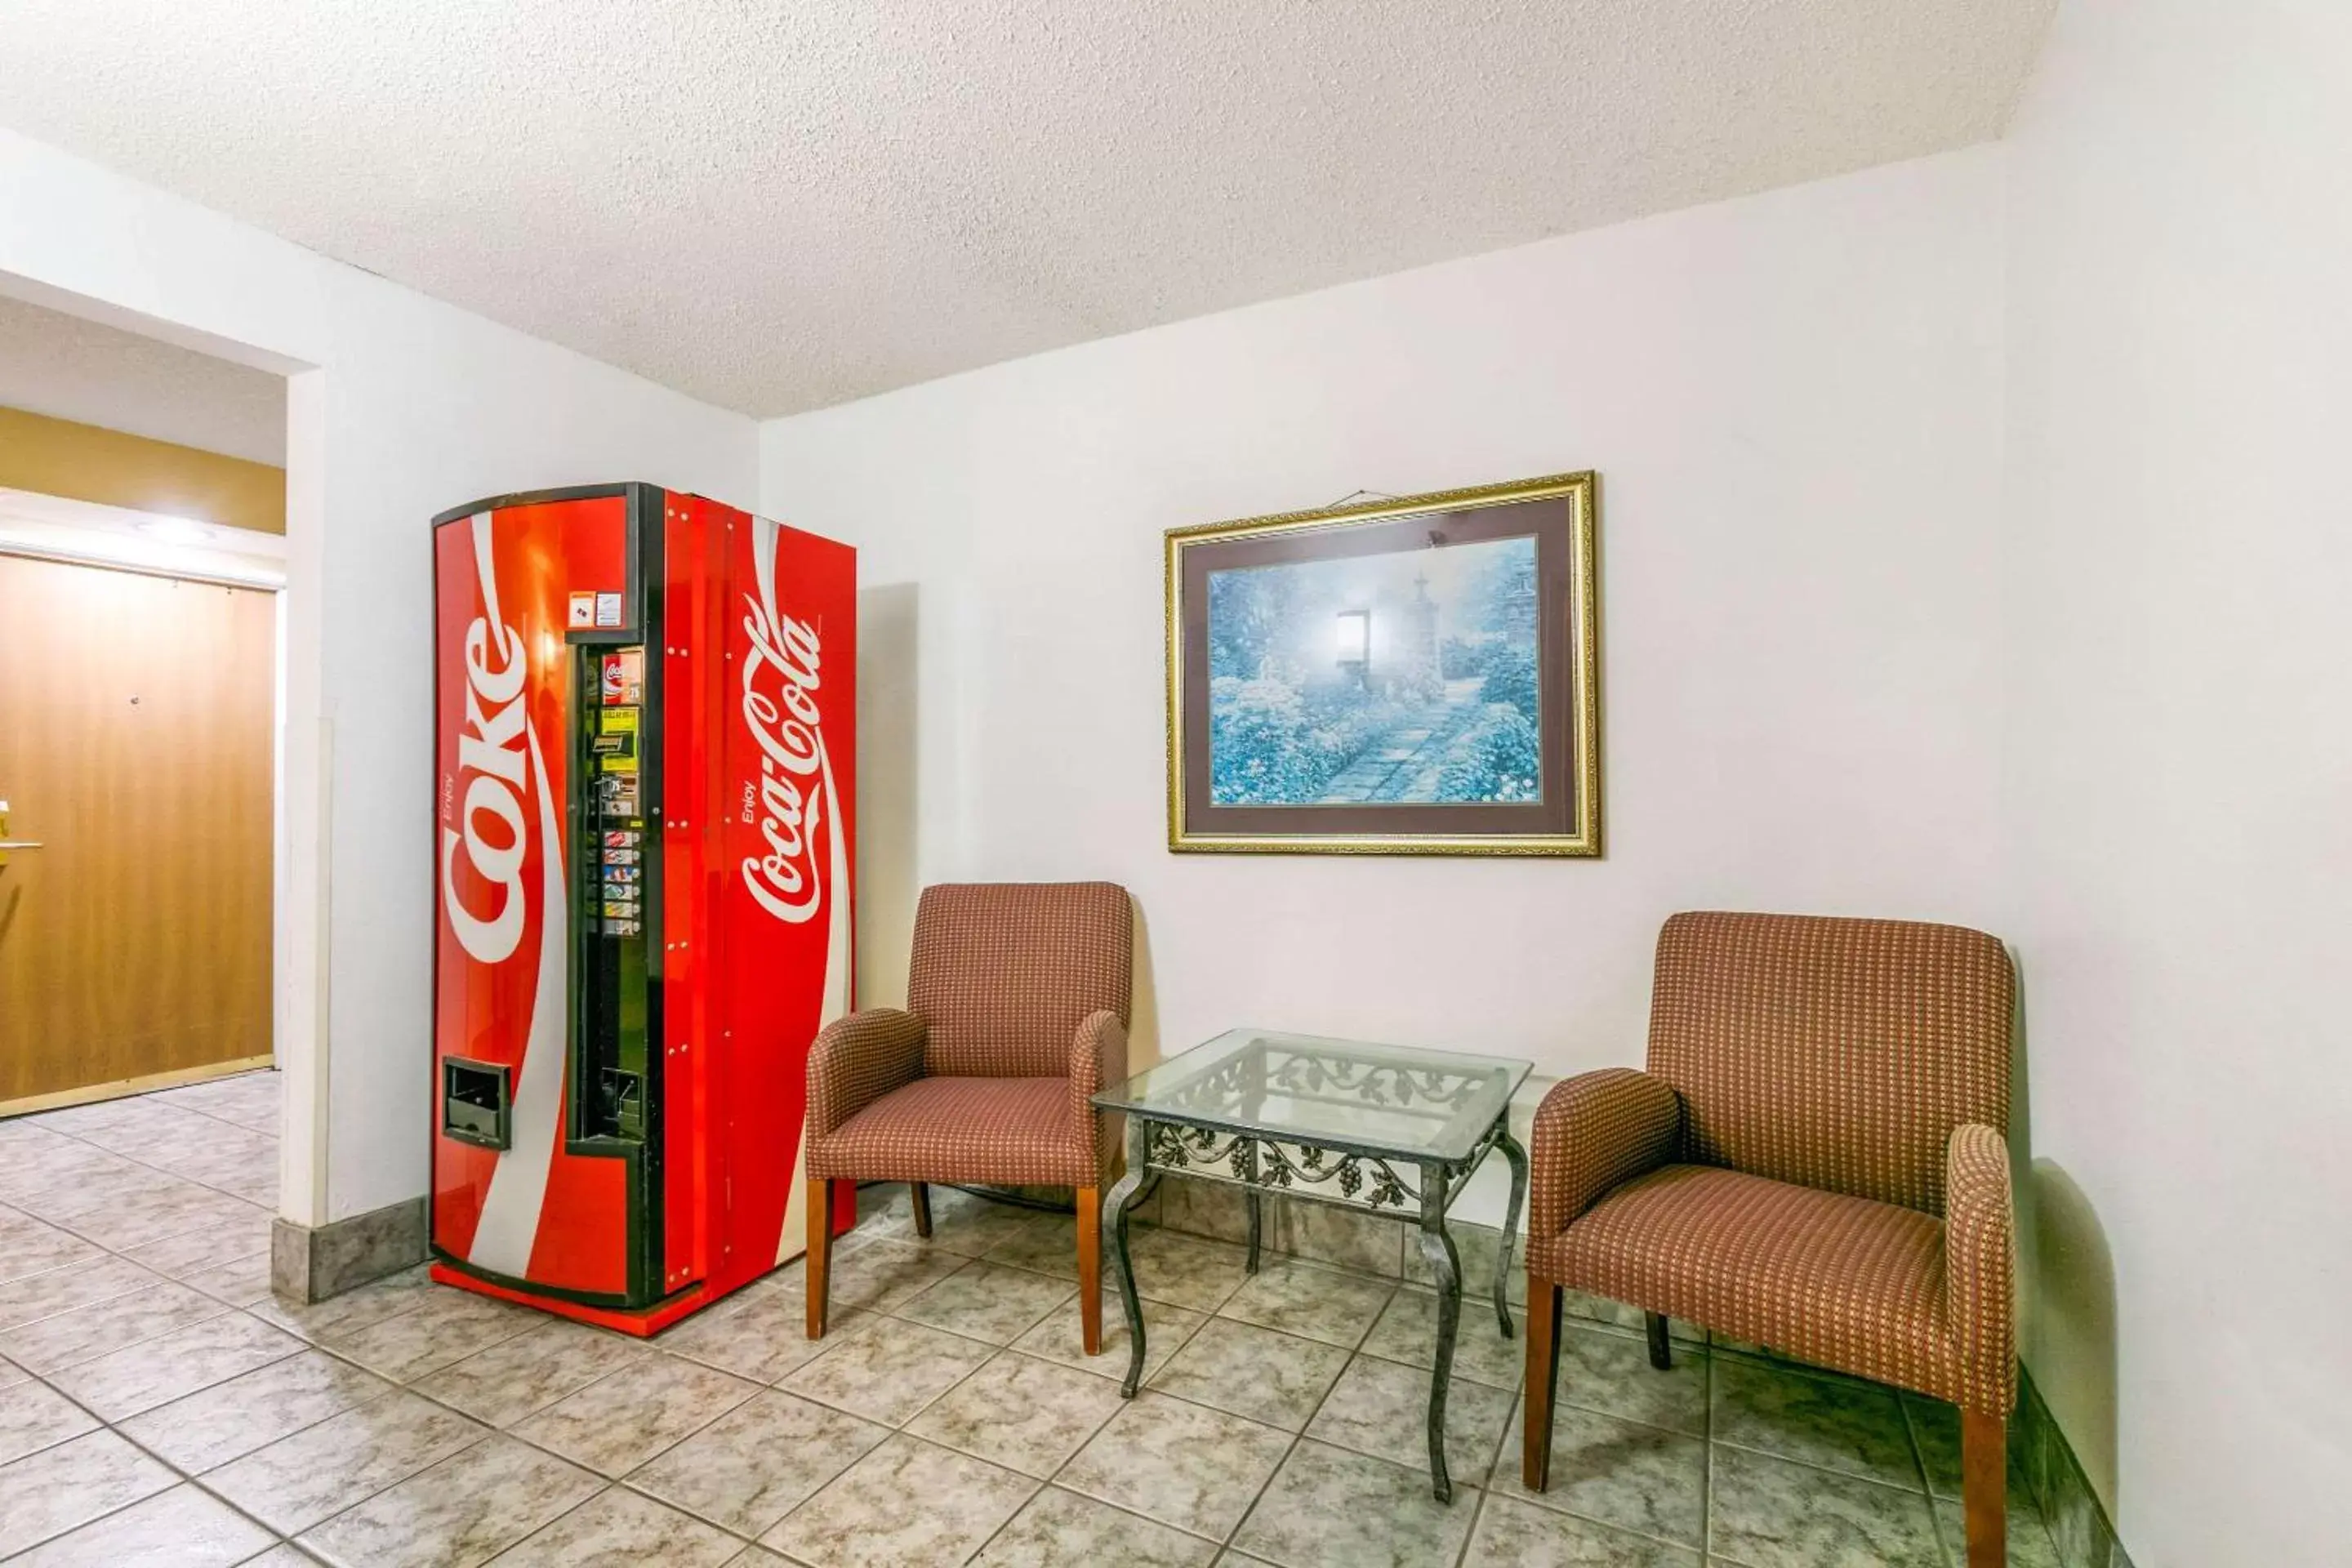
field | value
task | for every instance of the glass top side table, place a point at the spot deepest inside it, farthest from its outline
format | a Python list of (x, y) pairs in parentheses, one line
[(1391, 1129)]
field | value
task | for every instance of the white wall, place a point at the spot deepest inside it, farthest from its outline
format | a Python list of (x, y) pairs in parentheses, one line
[(2179, 800), (1794, 404), (400, 406)]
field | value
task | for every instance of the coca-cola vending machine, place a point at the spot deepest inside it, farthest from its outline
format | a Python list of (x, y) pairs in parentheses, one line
[(645, 717)]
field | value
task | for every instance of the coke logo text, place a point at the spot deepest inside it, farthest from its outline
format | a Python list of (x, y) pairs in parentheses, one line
[(787, 726), (490, 761)]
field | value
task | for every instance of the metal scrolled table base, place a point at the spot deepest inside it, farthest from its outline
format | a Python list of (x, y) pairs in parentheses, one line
[(1441, 1180)]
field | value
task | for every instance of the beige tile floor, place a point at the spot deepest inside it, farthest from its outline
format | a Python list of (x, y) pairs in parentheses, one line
[(158, 1407)]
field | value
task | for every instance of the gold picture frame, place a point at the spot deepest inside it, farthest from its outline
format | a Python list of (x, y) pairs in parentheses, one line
[(1215, 811)]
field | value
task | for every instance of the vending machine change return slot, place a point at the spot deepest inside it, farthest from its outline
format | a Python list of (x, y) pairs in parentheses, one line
[(473, 1103)]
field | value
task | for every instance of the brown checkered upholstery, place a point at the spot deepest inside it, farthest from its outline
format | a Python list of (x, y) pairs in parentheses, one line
[(1837, 1054), (858, 1060), (998, 1131), (1813, 1161), (1607, 1127), (1017, 1007), (1004, 975), (1980, 1276)]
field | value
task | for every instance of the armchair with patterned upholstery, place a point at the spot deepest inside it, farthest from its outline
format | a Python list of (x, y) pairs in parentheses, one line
[(1016, 1015), (1816, 1160)]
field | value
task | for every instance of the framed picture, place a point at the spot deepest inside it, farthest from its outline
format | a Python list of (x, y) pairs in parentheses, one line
[(1415, 675)]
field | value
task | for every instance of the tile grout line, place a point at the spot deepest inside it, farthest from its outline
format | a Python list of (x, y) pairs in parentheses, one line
[(994, 1351), (33, 1121), (93, 1301), (1926, 1482), (393, 1385), (186, 1478), (1295, 1437), (490, 1431), (198, 1479), (225, 1308), (1396, 1287), (906, 1429), (1707, 1470), (1048, 1483), (66, 1225), (1613, 1526), (624, 1481), (1487, 1492), (902, 1429)]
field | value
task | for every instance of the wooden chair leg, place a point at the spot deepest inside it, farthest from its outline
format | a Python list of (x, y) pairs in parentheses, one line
[(1662, 1344), (1984, 1488), (1543, 1376), (820, 1253), (922, 1209), (1091, 1268)]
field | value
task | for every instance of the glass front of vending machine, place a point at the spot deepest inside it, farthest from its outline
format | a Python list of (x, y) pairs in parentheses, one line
[(614, 997)]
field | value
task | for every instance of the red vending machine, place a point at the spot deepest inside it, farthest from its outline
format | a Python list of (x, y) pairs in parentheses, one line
[(645, 724)]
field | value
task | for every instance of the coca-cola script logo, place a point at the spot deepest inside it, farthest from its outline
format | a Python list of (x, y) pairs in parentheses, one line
[(490, 763), (786, 724)]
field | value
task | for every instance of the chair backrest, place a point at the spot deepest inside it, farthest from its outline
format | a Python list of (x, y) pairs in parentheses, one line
[(1836, 1054), (1004, 972)]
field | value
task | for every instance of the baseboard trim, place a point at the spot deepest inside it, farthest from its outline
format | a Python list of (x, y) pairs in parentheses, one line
[(117, 1089), (2061, 1492), (311, 1263)]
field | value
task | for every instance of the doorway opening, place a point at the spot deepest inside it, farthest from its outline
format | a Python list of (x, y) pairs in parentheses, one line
[(142, 569)]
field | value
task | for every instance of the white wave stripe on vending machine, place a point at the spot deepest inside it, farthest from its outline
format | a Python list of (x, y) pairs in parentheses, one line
[(794, 800), (491, 754)]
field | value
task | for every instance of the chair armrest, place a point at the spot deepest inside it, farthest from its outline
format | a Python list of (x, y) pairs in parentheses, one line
[(856, 1060), (1097, 1062), (1594, 1132), (1980, 1265)]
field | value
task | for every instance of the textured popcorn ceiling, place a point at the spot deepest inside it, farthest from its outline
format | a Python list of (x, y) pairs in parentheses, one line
[(780, 204), (68, 368)]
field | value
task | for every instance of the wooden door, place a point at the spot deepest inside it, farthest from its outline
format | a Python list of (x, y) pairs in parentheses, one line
[(135, 717)]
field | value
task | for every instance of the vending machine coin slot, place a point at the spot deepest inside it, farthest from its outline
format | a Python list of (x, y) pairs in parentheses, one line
[(624, 1093)]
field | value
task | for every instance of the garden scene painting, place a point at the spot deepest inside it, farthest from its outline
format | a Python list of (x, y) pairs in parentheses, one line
[(1408, 676)]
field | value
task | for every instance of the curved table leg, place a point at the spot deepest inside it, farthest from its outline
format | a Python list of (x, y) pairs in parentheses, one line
[(1124, 1195), (1438, 1251), (1518, 1159)]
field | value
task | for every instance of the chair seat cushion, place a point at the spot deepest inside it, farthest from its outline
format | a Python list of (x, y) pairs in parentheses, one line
[(988, 1129), (1839, 1281)]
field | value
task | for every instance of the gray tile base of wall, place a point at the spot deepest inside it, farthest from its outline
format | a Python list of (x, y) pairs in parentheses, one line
[(2040, 1459), (2053, 1476), (310, 1264)]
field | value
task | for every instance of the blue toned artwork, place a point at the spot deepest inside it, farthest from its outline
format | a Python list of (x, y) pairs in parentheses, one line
[(1407, 677)]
